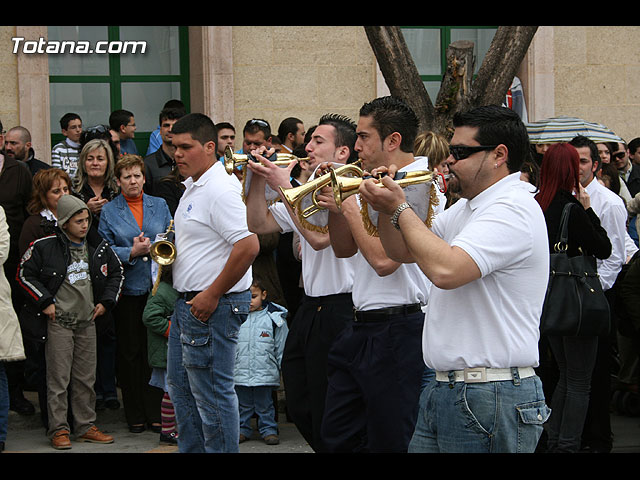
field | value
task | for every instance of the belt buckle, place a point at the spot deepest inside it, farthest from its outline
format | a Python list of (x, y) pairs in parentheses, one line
[(475, 375)]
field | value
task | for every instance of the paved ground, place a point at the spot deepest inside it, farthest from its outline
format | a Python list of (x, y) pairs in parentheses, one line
[(26, 435)]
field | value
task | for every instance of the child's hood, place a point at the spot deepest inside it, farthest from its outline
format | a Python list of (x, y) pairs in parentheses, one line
[(68, 206)]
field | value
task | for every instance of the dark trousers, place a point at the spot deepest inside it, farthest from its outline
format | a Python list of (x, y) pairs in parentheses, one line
[(375, 376), (140, 400), (304, 361), (597, 432)]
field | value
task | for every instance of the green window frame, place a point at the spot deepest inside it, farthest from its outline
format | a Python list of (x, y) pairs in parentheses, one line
[(116, 80), (445, 34)]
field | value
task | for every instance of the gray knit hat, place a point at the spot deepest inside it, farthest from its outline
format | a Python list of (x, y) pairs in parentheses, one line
[(68, 206)]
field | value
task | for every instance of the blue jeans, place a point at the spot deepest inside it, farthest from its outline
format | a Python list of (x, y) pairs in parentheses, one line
[(200, 369), (491, 417), (258, 400)]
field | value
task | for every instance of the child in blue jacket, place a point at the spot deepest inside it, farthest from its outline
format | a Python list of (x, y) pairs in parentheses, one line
[(258, 358)]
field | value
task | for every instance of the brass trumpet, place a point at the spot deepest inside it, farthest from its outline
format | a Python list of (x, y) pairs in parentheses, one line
[(233, 160), (163, 252), (344, 187), (295, 195)]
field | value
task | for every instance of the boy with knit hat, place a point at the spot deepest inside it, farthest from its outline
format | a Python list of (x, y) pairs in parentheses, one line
[(68, 284)]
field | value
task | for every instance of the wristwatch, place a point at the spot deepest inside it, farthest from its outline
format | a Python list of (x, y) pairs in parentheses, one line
[(396, 215)]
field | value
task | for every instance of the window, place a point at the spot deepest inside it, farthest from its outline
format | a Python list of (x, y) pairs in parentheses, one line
[(93, 85), (428, 47)]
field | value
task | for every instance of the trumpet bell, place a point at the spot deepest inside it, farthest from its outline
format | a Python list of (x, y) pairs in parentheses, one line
[(163, 252), (234, 160)]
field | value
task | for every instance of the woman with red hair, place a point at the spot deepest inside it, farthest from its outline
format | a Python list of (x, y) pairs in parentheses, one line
[(575, 356)]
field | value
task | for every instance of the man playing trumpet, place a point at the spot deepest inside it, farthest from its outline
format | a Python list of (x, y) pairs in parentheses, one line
[(375, 364), (326, 308), (488, 258)]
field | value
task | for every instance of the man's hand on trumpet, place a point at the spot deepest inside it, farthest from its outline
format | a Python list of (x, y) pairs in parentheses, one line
[(274, 175), (385, 200)]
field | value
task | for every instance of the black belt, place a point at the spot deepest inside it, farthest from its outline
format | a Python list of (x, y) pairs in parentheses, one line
[(188, 296), (382, 314)]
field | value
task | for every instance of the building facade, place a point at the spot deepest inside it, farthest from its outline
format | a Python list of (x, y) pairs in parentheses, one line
[(235, 73)]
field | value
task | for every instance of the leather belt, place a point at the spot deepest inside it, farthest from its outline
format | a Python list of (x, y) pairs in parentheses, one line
[(188, 296), (382, 314), (483, 374)]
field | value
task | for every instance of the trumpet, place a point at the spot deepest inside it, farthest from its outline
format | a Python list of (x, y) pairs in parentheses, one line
[(295, 195), (163, 252), (344, 187), (233, 160)]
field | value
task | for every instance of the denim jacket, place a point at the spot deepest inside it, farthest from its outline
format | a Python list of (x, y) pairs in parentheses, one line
[(118, 227)]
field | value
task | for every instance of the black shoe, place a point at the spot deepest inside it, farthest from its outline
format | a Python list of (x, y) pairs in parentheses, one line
[(112, 404), (137, 428), (1, 447), (169, 438), (22, 406), (100, 405), (155, 428)]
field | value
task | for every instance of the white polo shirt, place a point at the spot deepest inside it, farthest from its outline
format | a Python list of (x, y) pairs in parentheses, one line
[(322, 272), (494, 320), (406, 286), (210, 218), (612, 212)]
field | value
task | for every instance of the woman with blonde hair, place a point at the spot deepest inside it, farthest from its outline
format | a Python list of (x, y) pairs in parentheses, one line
[(95, 182), (436, 148)]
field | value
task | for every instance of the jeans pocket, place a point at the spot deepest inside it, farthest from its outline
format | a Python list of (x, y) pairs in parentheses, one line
[(535, 413), (239, 314), (531, 418), (195, 350)]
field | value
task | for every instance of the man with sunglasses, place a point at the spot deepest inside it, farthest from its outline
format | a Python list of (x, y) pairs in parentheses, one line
[(629, 172), (487, 256)]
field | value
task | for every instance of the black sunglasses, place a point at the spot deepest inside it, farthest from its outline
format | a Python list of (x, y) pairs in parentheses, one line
[(619, 155), (460, 152)]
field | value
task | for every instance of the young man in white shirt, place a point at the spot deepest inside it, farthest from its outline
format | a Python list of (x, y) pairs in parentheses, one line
[(375, 364), (612, 212), (487, 256), (212, 273), (328, 281)]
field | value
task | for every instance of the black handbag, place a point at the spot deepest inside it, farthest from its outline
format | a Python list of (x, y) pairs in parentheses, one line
[(575, 304)]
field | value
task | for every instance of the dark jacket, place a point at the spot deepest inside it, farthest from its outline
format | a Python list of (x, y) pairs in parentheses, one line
[(43, 269), (585, 231), (34, 164), (85, 194), (633, 182), (16, 184), (156, 166)]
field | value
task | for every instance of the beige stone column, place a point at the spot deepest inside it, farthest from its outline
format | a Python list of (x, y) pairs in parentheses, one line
[(33, 93), (211, 71)]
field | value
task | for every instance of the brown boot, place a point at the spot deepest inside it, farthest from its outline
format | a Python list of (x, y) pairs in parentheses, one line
[(93, 435), (60, 440)]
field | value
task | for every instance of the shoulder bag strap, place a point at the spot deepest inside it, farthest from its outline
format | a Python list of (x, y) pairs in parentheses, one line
[(562, 243)]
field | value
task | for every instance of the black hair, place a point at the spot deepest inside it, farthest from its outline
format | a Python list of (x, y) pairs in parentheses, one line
[(256, 125), (169, 113), (119, 118), (199, 126), (287, 126), (66, 118), (580, 141), (498, 125), (345, 132), (390, 114)]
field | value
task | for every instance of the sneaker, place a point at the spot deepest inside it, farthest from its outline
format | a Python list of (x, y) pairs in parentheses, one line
[(271, 440), (93, 435), (21, 405), (60, 440), (169, 438)]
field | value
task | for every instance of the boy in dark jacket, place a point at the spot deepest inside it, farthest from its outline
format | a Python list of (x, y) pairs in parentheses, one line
[(68, 284)]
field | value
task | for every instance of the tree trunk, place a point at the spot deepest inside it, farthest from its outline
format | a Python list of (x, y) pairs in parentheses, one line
[(399, 70), (458, 91)]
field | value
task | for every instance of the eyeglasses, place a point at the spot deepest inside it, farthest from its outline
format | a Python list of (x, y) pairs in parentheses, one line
[(460, 152), (619, 155)]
